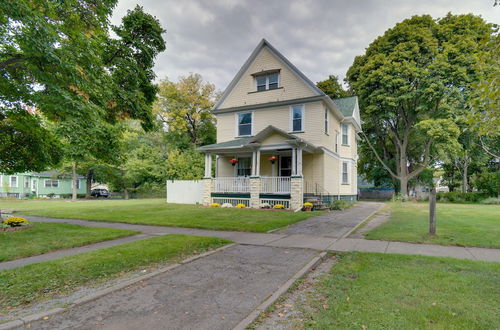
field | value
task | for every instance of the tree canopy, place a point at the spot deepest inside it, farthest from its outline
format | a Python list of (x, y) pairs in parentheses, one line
[(413, 82), (333, 88)]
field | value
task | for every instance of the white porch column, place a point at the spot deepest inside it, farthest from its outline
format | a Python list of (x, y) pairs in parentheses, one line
[(299, 162), (294, 161), (208, 165), (257, 162)]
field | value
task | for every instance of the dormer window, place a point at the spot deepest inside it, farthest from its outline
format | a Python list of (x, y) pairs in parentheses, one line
[(267, 80)]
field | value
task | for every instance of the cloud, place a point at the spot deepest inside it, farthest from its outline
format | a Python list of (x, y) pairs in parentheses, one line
[(320, 37)]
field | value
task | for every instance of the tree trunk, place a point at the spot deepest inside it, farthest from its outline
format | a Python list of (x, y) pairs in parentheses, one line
[(90, 178), (403, 173), (465, 182), (403, 186), (73, 186), (432, 212), (125, 192)]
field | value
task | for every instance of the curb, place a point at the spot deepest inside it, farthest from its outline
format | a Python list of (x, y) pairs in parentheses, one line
[(100, 293), (279, 292)]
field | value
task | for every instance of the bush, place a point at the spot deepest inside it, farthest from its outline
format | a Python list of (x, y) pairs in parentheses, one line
[(340, 205), (215, 205), (226, 205), (308, 205), (15, 222), (491, 201), (461, 197), (240, 206), (279, 206), (265, 206)]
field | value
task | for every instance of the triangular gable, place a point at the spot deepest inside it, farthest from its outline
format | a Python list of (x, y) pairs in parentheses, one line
[(263, 47), (271, 131)]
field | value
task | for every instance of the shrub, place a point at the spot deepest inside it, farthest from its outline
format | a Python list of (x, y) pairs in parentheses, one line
[(308, 205), (227, 205), (215, 205), (15, 222), (340, 205), (461, 197), (491, 201), (240, 206), (279, 206), (265, 206)]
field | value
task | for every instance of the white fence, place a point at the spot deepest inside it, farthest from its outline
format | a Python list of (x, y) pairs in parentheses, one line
[(275, 185), (239, 184), (185, 191)]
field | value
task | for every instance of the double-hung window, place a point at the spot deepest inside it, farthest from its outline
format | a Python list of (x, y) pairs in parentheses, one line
[(51, 183), (244, 166), (26, 182), (345, 134), (345, 173), (326, 121), (77, 184), (13, 182), (267, 81), (244, 123), (337, 141), (297, 118)]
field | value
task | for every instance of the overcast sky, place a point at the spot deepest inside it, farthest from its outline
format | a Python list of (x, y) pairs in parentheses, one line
[(215, 37)]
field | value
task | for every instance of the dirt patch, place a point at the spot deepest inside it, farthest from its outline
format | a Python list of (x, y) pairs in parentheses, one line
[(292, 308)]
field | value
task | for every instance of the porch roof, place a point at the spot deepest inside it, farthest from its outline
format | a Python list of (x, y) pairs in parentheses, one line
[(256, 140)]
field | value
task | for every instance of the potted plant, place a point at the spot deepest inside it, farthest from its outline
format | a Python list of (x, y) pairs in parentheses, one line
[(233, 161), (308, 206), (272, 159)]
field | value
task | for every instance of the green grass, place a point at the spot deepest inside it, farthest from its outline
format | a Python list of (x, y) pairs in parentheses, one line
[(457, 224), (383, 291), (45, 237), (28, 284), (157, 212)]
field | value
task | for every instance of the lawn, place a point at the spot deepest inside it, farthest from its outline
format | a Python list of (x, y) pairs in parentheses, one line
[(457, 224), (45, 237), (28, 284), (383, 291), (158, 212)]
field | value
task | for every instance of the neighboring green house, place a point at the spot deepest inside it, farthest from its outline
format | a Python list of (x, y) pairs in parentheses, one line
[(42, 184)]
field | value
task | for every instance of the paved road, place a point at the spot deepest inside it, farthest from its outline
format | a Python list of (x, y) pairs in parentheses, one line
[(215, 292)]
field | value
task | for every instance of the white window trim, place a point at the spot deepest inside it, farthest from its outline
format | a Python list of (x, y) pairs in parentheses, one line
[(342, 173), (10, 181), (327, 122), (337, 137), (267, 82), (78, 184), (27, 182), (342, 134), (302, 128), (51, 186), (237, 126)]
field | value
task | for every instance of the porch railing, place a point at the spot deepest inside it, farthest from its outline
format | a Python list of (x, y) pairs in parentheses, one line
[(238, 184), (275, 185)]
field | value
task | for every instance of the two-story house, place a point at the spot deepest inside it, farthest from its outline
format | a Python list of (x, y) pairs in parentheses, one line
[(280, 139)]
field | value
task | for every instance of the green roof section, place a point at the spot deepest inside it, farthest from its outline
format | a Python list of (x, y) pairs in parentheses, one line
[(228, 144), (346, 105)]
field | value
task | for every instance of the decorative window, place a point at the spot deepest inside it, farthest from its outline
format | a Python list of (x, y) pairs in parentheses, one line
[(297, 116), (51, 183), (13, 182), (345, 173), (337, 141), (267, 82), (244, 166), (345, 134), (326, 121), (245, 124)]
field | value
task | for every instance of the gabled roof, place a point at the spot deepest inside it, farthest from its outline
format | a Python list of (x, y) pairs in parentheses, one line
[(264, 43), (53, 174), (253, 141), (346, 105)]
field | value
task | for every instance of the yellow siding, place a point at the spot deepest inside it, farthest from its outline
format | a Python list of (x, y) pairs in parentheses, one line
[(293, 86), (274, 139), (332, 174), (312, 168)]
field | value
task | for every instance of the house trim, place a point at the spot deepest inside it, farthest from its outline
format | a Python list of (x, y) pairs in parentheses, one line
[(302, 120), (309, 99)]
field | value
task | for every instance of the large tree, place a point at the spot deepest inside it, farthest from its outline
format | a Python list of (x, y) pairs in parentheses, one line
[(411, 82), (332, 87), (185, 108), (59, 57)]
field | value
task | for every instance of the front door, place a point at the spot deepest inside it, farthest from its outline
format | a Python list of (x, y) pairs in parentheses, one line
[(285, 166)]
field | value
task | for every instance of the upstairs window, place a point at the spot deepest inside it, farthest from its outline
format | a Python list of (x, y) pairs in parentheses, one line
[(267, 81), (297, 118), (345, 173), (326, 121), (345, 134), (245, 124)]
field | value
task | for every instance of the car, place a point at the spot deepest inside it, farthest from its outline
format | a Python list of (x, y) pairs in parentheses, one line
[(99, 193)]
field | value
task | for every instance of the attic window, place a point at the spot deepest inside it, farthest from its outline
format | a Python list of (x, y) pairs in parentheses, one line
[(267, 80)]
